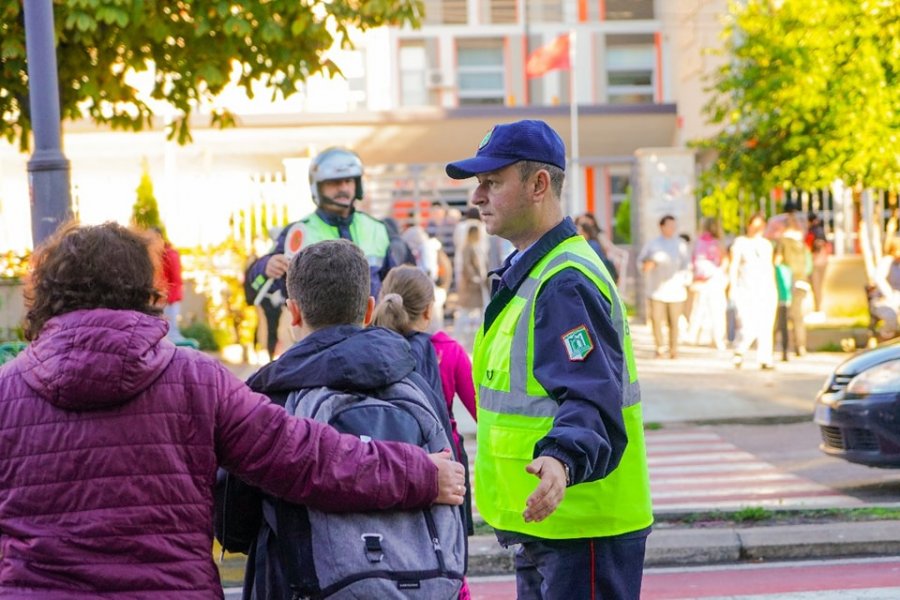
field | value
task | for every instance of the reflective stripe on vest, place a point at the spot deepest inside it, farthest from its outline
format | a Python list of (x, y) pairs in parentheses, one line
[(366, 232), (515, 412)]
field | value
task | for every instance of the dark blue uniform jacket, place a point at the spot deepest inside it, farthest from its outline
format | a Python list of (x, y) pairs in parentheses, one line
[(588, 432)]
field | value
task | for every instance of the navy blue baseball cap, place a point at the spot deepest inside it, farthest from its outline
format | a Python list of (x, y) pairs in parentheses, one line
[(510, 143)]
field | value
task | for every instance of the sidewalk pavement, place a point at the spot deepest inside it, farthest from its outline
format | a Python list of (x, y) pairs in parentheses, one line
[(703, 386)]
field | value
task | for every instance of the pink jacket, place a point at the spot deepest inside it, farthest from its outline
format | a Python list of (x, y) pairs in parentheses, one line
[(456, 375), (108, 452)]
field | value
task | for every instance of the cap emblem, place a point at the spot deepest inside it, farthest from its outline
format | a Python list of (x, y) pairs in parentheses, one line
[(486, 139)]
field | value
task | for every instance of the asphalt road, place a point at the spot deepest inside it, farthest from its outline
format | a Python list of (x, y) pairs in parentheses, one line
[(794, 448)]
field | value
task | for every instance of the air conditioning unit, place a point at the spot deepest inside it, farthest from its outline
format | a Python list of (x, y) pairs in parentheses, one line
[(436, 79)]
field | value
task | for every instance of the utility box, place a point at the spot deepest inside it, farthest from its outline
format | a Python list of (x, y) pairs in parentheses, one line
[(665, 182)]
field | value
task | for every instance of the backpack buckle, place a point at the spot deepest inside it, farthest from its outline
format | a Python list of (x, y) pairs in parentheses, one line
[(374, 551)]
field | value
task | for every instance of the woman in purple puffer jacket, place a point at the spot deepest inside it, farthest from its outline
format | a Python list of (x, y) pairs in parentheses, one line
[(111, 437)]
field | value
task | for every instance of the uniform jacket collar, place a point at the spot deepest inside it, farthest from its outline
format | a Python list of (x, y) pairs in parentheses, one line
[(507, 279), (336, 220), (512, 275)]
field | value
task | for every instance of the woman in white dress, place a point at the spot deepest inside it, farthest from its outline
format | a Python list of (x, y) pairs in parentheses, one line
[(751, 276)]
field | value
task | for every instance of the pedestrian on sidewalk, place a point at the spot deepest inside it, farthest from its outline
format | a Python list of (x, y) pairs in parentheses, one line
[(170, 273), (885, 301), (112, 436), (558, 397), (817, 242), (783, 283), (590, 231), (791, 250), (665, 262), (709, 306), (471, 283), (751, 276)]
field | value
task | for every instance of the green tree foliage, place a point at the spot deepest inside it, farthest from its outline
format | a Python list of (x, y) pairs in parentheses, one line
[(190, 47), (809, 92), (622, 223), (145, 212)]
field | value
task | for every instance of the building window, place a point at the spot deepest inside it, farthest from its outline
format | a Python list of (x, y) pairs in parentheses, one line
[(622, 10), (480, 72), (446, 12), (500, 11), (550, 11), (355, 72), (630, 68), (619, 191), (413, 67)]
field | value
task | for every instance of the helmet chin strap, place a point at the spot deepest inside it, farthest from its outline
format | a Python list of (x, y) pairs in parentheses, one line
[(323, 200)]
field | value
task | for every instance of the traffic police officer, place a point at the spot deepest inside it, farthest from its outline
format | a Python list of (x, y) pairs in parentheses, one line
[(335, 183), (558, 397)]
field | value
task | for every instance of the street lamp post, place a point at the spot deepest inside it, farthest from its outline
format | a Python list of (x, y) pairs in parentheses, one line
[(48, 168)]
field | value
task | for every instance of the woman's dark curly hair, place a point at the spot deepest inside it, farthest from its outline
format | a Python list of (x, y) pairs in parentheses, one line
[(91, 266)]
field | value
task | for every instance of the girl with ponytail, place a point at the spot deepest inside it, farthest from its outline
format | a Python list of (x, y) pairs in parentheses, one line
[(405, 305)]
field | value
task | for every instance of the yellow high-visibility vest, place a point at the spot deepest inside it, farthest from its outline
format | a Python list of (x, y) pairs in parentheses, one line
[(367, 232), (515, 412)]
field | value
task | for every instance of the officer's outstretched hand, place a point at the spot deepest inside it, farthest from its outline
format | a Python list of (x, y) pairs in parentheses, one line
[(277, 266), (550, 492), (451, 479)]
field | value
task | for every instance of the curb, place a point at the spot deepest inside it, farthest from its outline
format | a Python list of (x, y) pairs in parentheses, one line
[(683, 546), (748, 420)]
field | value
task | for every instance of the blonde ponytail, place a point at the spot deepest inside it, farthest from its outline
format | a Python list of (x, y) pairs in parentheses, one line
[(406, 294), (391, 313)]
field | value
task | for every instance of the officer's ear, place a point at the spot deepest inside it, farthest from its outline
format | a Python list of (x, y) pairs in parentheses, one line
[(540, 184)]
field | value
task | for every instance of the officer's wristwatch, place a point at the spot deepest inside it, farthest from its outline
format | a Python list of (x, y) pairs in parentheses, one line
[(568, 474)]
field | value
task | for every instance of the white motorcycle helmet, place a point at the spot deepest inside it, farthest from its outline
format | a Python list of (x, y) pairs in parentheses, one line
[(334, 163)]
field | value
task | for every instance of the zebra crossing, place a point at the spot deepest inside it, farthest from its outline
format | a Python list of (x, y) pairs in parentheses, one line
[(694, 469)]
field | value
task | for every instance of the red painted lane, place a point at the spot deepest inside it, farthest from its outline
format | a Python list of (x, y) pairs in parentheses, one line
[(769, 579), (493, 588), (688, 583)]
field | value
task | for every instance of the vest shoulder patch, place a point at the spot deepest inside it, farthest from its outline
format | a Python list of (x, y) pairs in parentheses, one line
[(578, 343)]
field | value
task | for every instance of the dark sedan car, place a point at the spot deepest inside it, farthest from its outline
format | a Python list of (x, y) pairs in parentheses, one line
[(858, 410)]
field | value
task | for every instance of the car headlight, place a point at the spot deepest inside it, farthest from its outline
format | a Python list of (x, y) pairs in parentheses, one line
[(880, 379)]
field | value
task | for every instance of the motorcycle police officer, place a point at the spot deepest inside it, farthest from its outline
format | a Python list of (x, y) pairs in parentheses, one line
[(335, 182)]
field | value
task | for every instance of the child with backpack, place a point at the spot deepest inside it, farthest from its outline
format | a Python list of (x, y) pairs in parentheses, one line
[(357, 380), (407, 296), (406, 302)]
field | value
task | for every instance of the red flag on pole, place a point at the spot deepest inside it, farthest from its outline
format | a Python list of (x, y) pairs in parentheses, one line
[(554, 55)]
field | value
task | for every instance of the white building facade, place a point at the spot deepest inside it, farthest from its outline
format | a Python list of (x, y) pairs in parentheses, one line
[(412, 100)]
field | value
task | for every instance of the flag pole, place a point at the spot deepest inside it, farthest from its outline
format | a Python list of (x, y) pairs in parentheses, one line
[(575, 168)]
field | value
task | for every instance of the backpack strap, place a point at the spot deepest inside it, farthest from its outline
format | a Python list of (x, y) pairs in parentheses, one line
[(293, 545), (423, 394), (293, 400)]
